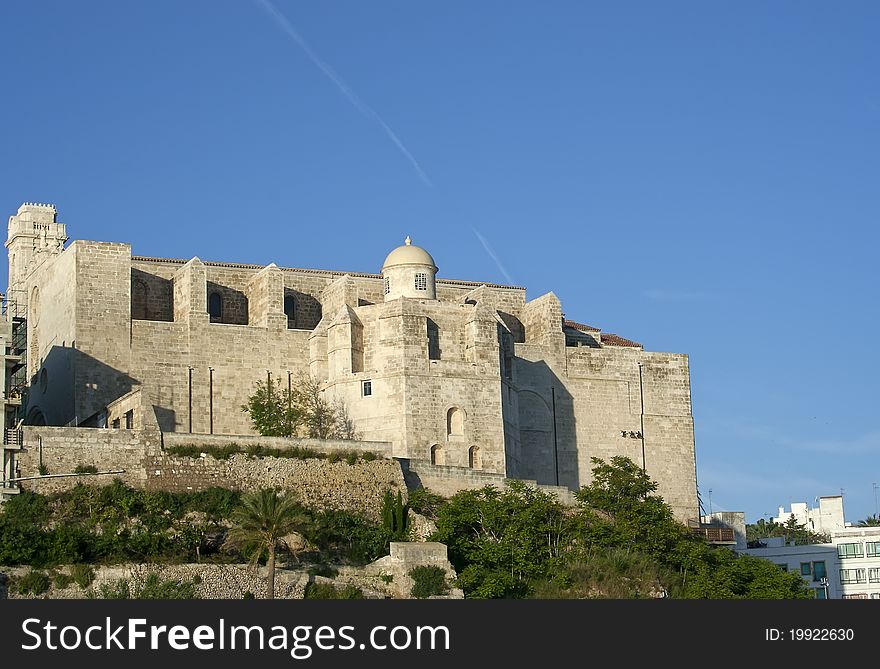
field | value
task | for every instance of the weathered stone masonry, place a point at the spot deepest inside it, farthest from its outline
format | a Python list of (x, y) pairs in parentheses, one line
[(464, 376)]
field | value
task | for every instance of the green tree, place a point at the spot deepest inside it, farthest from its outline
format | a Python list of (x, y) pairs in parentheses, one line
[(500, 542), (793, 532), (620, 510), (277, 412), (274, 412), (870, 521), (260, 524)]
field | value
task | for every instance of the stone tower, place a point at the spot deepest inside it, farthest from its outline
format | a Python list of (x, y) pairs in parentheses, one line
[(34, 235), (409, 271)]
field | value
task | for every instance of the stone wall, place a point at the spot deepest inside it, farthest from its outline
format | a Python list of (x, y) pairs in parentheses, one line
[(317, 483)]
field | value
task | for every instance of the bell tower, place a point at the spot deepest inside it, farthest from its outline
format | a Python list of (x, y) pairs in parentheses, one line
[(34, 235)]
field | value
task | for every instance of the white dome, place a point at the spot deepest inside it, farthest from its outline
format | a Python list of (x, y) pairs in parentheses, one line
[(409, 255)]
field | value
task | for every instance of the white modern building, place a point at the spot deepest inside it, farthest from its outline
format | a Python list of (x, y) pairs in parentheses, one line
[(848, 567), (826, 517)]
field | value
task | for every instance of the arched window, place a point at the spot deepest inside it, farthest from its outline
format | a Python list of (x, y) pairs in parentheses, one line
[(290, 310), (454, 422), (140, 298), (215, 306), (438, 457), (475, 460)]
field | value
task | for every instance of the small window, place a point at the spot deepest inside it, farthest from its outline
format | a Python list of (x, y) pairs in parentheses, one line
[(115, 424), (805, 569), (421, 281), (874, 575), (290, 310), (849, 551), (852, 576), (215, 306), (872, 548), (387, 285), (454, 422), (820, 593), (438, 456), (367, 388), (129, 419), (783, 567), (819, 570), (475, 460)]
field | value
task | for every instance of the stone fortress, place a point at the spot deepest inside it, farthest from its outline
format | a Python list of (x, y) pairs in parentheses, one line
[(465, 383)]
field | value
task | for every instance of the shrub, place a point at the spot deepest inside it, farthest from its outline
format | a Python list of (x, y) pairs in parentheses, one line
[(62, 580), (333, 457), (85, 469), (425, 502), (428, 581), (43, 469), (323, 570), (351, 457), (33, 583), (82, 575), (368, 456), (247, 594), (153, 587), (328, 591)]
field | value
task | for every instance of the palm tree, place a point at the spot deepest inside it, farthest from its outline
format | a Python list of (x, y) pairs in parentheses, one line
[(870, 521), (259, 525)]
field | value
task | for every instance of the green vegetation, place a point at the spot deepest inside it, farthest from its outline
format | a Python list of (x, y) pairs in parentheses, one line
[(85, 469), (33, 583), (428, 581), (328, 591), (300, 411), (258, 451), (394, 514), (793, 532), (153, 587), (260, 525), (111, 524), (620, 541), (82, 575), (426, 503)]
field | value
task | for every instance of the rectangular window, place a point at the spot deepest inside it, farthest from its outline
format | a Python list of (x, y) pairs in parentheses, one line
[(115, 424), (820, 593), (858, 595), (367, 388), (421, 281), (805, 569), (129, 419), (874, 575), (849, 551), (819, 570), (387, 285), (783, 567), (872, 548), (852, 575)]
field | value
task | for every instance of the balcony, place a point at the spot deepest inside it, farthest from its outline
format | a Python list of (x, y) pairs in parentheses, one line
[(721, 536)]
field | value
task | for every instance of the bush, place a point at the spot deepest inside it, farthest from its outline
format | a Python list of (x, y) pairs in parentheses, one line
[(368, 456), (85, 469), (33, 583), (323, 570), (424, 502), (61, 580), (428, 581), (328, 591), (43, 469), (82, 575), (153, 587)]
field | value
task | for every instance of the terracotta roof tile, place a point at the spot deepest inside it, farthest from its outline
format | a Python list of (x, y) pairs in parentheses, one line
[(580, 326), (609, 339)]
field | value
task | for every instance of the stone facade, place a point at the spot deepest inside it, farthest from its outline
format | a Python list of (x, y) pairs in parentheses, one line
[(458, 374)]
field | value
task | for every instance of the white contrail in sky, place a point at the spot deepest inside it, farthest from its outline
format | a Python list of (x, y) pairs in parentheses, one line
[(344, 88), (493, 256)]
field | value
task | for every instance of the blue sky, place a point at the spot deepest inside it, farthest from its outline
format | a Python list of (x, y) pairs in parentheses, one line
[(700, 177)]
